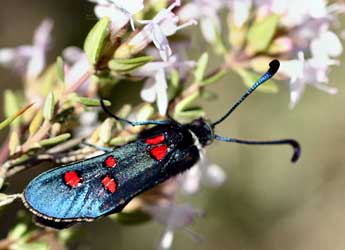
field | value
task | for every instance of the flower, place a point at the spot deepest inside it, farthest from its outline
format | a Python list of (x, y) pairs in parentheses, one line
[(77, 65), (204, 172), (207, 12), (120, 12), (29, 60), (156, 87), (173, 217), (240, 10), (157, 30), (301, 72)]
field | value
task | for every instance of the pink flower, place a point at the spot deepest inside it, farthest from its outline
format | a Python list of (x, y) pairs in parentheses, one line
[(77, 65), (206, 11), (29, 60)]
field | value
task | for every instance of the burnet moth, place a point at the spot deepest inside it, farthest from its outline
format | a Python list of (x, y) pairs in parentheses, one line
[(96, 187)]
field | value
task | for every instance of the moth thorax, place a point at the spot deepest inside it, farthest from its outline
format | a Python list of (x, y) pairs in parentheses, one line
[(202, 130)]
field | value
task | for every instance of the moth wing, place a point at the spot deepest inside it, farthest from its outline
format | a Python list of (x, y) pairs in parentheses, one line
[(50, 196), (96, 189)]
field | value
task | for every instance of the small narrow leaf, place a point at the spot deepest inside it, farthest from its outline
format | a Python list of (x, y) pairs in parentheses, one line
[(249, 78), (17, 232), (127, 65), (186, 102), (201, 68), (120, 140), (37, 245), (54, 140), (60, 69), (13, 142), (261, 33), (11, 105), (36, 122), (189, 115), (10, 119), (49, 107), (96, 40), (214, 78), (91, 102), (106, 130), (145, 112)]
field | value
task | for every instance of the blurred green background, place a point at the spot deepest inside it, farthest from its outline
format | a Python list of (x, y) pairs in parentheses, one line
[(267, 203)]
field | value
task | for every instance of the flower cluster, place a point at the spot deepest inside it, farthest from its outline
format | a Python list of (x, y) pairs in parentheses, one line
[(298, 32), (133, 42)]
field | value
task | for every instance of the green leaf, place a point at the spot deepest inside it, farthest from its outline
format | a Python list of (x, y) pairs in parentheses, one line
[(18, 231), (13, 142), (189, 115), (10, 119), (261, 33), (214, 78), (132, 218), (96, 40), (120, 140), (145, 112), (201, 68), (186, 102), (37, 245), (10, 105), (90, 102), (36, 122), (106, 130), (49, 107), (127, 65), (54, 140), (249, 78), (60, 69)]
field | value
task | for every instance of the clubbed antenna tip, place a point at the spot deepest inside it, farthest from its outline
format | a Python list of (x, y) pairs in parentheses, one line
[(274, 66)]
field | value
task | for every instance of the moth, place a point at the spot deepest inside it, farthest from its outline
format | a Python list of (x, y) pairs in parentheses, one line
[(99, 186)]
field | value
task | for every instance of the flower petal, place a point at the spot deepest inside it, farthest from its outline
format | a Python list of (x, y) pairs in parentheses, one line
[(148, 92)]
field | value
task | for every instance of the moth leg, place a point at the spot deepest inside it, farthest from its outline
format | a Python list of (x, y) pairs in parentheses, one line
[(105, 149)]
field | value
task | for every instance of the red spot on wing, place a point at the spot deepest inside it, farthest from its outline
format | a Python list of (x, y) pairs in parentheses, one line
[(155, 140), (72, 179), (109, 184), (110, 162), (159, 152)]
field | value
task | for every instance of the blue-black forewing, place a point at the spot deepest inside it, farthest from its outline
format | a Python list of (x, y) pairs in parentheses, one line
[(50, 198)]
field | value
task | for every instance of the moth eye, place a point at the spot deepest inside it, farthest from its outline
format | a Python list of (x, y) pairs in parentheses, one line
[(156, 140), (159, 152), (72, 179)]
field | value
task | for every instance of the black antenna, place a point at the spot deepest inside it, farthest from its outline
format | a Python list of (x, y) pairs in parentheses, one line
[(133, 123), (293, 143), (274, 66)]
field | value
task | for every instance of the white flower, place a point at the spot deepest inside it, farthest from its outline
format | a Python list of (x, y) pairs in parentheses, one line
[(120, 12), (173, 217), (204, 172), (157, 30), (156, 87), (77, 66), (240, 10), (29, 60), (302, 72), (295, 12), (207, 12)]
